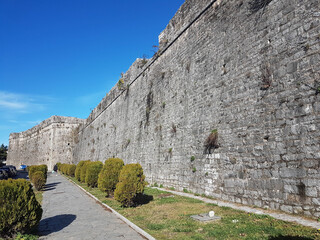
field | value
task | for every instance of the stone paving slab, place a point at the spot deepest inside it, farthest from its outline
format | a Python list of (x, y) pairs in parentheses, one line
[(131, 224), (204, 217), (69, 213), (280, 216)]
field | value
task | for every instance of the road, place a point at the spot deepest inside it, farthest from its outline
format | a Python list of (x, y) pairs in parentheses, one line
[(69, 213)]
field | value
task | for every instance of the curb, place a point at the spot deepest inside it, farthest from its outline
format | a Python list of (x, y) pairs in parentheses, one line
[(279, 216), (128, 222)]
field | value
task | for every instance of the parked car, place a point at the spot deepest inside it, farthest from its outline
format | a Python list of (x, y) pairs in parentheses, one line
[(11, 171), (7, 171), (3, 175), (13, 168)]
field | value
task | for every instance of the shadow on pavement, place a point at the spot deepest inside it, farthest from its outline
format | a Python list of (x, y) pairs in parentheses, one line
[(280, 237), (50, 186), (55, 224)]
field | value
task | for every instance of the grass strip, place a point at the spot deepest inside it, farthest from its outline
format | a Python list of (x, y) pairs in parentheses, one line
[(167, 216)]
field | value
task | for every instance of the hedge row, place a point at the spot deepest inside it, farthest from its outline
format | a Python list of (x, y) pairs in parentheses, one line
[(67, 169), (126, 182), (19, 209)]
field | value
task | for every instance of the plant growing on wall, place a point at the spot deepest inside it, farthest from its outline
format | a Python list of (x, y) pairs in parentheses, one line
[(149, 105), (126, 143), (143, 60), (120, 83), (156, 51), (211, 141), (173, 129), (266, 77), (256, 5)]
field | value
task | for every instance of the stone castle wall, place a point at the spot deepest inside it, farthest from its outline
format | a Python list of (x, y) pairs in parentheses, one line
[(249, 69), (49, 142)]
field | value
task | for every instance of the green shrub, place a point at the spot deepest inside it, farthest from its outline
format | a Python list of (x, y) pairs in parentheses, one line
[(34, 168), (38, 180), (92, 173), (62, 168), (19, 209), (20, 236), (65, 169), (78, 170), (68, 169), (131, 184), (83, 171), (71, 170), (109, 175), (59, 165)]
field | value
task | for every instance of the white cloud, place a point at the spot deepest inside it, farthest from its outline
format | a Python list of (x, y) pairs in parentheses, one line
[(18, 112), (21, 103), (11, 101)]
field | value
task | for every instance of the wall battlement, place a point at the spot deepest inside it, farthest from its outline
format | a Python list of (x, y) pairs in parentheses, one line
[(49, 142), (250, 70)]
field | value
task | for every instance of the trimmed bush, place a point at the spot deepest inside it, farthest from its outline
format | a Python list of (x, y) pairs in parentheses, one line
[(83, 171), (34, 168), (19, 209), (92, 173), (71, 170), (109, 175), (38, 180), (78, 170), (58, 164), (61, 168), (131, 184), (68, 169)]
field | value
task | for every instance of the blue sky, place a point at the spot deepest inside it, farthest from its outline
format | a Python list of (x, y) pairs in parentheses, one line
[(61, 57)]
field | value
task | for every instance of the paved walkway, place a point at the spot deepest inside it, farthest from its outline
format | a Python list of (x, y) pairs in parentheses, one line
[(69, 213), (280, 216)]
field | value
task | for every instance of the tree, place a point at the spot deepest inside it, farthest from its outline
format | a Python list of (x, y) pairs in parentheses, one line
[(3, 154)]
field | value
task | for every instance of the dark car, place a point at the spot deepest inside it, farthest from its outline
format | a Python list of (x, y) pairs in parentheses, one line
[(3, 174), (13, 168), (10, 171)]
